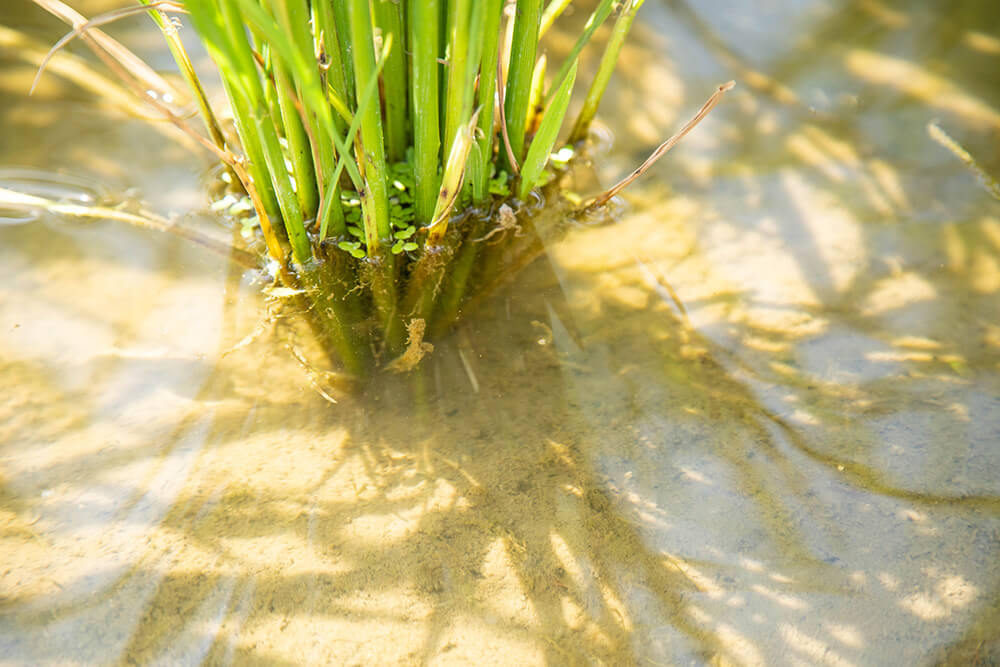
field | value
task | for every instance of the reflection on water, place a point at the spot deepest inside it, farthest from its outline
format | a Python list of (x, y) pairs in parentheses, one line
[(755, 422)]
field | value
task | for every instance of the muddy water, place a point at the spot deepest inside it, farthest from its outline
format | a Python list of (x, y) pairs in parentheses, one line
[(755, 422)]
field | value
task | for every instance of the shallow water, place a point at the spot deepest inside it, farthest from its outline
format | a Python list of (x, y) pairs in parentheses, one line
[(757, 421)]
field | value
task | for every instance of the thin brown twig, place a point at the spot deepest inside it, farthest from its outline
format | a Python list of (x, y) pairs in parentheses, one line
[(97, 21), (129, 60), (664, 147), (943, 138), (144, 219), (125, 74), (223, 154)]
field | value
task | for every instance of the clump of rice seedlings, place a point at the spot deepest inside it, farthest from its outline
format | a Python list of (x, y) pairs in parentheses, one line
[(390, 150)]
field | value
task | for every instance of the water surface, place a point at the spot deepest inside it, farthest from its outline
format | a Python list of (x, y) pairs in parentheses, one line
[(755, 422)]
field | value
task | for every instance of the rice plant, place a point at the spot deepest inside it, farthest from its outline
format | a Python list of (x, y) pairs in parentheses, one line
[(387, 148)]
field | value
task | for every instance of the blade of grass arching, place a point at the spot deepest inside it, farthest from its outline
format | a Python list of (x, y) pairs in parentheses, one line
[(16, 45), (140, 91), (423, 25), (101, 19), (522, 65), (389, 19), (480, 161), (593, 23), (622, 25), (545, 138), (25, 202), (662, 149), (553, 11), (131, 62), (371, 149)]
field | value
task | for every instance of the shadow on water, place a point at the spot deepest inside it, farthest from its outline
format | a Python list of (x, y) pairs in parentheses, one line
[(755, 422)]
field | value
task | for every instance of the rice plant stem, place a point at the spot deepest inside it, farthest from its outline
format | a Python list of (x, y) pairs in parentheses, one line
[(512, 163), (330, 57), (258, 118), (388, 17), (423, 25), (328, 54), (370, 150), (266, 203), (341, 19), (522, 65), (299, 146), (458, 93), (370, 91), (473, 54), (453, 291), (302, 66), (479, 174)]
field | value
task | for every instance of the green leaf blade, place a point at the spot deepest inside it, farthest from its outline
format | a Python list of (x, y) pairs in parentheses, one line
[(545, 138)]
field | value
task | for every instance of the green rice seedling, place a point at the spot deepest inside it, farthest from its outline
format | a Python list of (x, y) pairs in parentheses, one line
[(380, 143)]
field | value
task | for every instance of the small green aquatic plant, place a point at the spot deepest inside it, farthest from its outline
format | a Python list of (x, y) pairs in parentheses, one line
[(383, 151)]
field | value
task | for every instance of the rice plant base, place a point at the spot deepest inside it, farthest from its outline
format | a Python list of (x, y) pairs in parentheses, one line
[(388, 155)]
